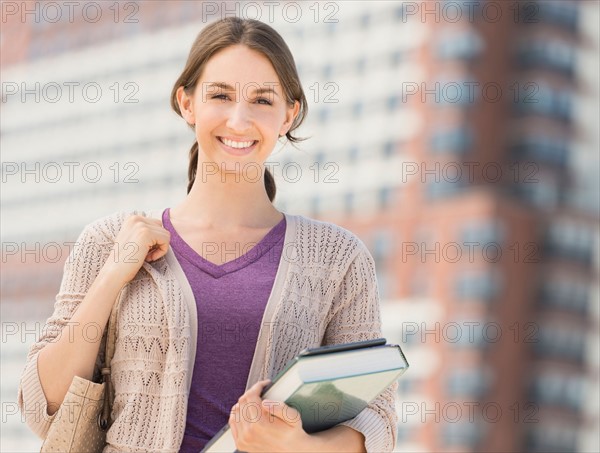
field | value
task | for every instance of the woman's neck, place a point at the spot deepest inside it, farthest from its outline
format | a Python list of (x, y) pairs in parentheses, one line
[(234, 203)]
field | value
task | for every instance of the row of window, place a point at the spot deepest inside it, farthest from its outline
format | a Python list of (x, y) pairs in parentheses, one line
[(347, 202), (92, 191), (359, 65), (358, 109), (565, 294), (561, 343), (541, 149), (564, 13), (352, 154), (541, 99), (548, 54), (527, 98), (555, 389), (554, 437), (570, 240), (531, 54), (545, 193), (464, 382)]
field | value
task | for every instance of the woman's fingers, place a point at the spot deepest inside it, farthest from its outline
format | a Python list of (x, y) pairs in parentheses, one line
[(282, 411), (140, 239)]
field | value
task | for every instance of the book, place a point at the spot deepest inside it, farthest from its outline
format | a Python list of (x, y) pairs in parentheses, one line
[(328, 385)]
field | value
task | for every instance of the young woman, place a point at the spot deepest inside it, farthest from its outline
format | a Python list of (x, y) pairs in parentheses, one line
[(219, 292)]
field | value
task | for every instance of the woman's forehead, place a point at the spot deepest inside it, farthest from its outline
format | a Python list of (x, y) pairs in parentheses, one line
[(239, 64)]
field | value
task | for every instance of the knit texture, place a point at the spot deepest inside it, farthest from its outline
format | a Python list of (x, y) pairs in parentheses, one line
[(325, 292)]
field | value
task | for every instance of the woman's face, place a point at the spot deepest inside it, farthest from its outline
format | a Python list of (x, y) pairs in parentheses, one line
[(239, 110)]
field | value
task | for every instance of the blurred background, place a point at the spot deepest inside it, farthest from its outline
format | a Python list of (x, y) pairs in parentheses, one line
[(458, 139)]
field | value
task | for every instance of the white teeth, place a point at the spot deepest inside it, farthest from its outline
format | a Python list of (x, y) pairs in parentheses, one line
[(238, 145)]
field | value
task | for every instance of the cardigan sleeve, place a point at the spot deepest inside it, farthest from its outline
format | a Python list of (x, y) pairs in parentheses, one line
[(356, 317), (86, 258)]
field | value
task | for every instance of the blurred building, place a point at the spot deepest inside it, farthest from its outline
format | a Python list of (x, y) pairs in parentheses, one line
[(459, 140)]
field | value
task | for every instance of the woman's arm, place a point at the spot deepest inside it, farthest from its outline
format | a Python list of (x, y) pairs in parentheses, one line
[(73, 352), (93, 275), (356, 317)]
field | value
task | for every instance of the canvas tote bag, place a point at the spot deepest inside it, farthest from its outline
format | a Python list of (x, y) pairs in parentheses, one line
[(83, 418)]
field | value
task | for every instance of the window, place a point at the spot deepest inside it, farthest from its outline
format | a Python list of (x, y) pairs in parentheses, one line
[(365, 20), (348, 202), (392, 102), (324, 114), (466, 45), (565, 293), (461, 433), (331, 27), (400, 13), (480, 286), (420, 283), (403, 433), (468, 382), (482, 231), (543, 192), (542, 149), (470, 333), (560, 342), (407, 385), (384, 196), (353, 153), (456, 140), (320, 158), (396, 57), (361, 64), (554, 55), (443, 188), (570, 240), (552, 437), (382, 245), (327, 71), (315, 205), (553, 388), (388, 149), (540, 99), (451, 90), (357, 109), (563, 13)]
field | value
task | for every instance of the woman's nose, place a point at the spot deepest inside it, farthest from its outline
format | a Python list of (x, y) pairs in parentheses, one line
[(240, 116)]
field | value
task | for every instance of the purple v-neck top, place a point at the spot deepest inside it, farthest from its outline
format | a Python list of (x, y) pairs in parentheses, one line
[(230, 300)]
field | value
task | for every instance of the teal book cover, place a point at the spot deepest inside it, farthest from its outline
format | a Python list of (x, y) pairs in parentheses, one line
[(324, 404)]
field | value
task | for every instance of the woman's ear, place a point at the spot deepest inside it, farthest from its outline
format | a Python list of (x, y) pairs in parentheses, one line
[(186, 106), (290, 116)]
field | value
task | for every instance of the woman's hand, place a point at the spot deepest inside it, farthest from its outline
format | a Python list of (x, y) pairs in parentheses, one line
[(272, 426), (140, 239)]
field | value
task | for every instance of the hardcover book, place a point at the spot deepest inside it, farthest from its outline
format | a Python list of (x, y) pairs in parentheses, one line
[(329, 385)]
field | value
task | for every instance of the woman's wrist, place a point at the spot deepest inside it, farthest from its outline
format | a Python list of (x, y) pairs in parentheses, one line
[(110, 280)]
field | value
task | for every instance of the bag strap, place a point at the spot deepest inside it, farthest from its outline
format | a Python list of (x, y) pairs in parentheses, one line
[(104, 421)]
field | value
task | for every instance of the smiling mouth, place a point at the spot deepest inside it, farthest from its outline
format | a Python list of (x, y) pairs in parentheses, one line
[(239, 145)]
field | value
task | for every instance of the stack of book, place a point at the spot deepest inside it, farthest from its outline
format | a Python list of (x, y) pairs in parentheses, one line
[(329, 385)]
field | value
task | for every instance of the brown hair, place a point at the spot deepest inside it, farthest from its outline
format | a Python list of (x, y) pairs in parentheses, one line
[(257, 36)]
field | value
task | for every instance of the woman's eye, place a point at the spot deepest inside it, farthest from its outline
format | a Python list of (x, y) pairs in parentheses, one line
[(219, 96), (264, 101)]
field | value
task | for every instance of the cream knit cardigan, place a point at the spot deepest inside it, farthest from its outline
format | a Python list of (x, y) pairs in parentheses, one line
[(325, 292)]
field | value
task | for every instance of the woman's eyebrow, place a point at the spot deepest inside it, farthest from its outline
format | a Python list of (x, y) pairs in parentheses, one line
[(266, 90), (227, 87)]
